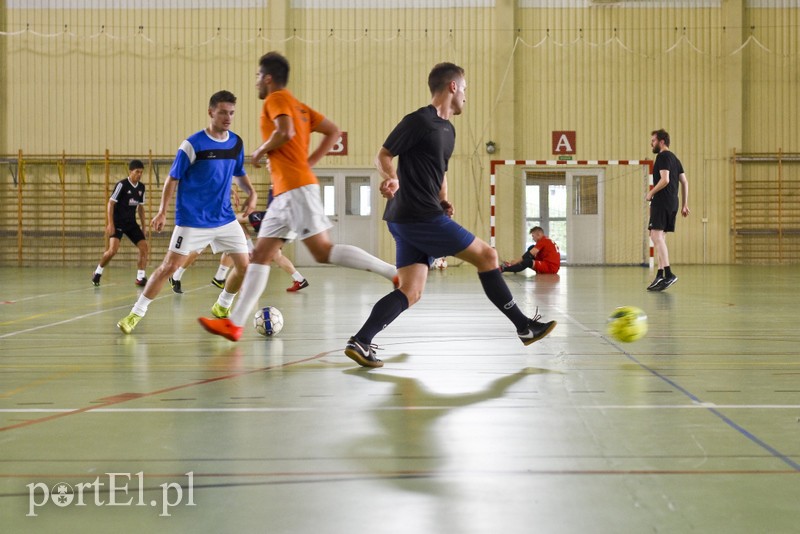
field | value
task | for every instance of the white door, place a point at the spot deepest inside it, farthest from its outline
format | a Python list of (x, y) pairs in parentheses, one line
[(585, 217), (350, 201)]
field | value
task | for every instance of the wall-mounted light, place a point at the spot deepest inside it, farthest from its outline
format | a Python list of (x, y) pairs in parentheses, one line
[(491, 147)]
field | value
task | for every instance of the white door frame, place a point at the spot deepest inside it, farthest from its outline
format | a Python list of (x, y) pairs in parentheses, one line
[(358, 230), (585, 231)]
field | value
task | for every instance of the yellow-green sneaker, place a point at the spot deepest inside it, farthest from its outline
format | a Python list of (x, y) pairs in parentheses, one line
[(220, 312), (129, 323)]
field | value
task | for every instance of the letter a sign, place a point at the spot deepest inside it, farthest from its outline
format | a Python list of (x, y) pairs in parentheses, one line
[(563, 143)]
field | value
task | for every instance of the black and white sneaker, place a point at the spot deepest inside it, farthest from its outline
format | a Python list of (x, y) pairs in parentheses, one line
[(96, 279), (176, 285), (363, 355), (666, 282), (535, 330), (654, 284), (217, 282)]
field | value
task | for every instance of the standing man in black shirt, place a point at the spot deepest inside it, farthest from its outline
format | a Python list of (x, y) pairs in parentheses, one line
[(126, 201), (419, 216), (663, 198)]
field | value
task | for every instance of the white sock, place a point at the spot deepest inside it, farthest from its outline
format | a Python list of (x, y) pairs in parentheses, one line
[(355, 258), (297, 277), (225, 299), (222, 272), (255, 282), (99, 270), (140, 274), (177, 275), (140, 308)]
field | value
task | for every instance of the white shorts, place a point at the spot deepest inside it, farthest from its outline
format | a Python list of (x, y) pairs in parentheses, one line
[(295, 214), (226, 238)]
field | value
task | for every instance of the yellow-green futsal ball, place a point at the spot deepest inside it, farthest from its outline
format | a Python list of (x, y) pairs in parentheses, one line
[(627, 324)]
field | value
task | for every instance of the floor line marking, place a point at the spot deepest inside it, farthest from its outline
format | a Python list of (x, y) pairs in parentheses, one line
[(123, 399), (79, 317), (713, 409), (262, 409), (39, 382), (43, 295)]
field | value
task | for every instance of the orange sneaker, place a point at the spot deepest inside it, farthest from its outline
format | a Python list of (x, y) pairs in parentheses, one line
[(297, 286), (222, 327)]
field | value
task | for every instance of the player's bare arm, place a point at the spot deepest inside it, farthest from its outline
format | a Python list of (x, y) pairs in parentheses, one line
[(283, 133), (158, 222), (252, 199), (110, 219), (331, 135), (390, 183), (446, 205), (684, 194), (663, 181), (140, 210)]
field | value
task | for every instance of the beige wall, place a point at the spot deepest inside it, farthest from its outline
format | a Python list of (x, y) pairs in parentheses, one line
[(105, 84)]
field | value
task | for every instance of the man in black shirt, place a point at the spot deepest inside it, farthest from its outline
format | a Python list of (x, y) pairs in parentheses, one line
[(663, 198), (126, 201), (419, 216)]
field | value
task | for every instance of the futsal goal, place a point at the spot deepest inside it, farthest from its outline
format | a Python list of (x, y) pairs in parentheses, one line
[(595, 208)]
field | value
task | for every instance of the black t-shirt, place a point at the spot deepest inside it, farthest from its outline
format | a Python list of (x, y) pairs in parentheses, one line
[(126, 198), (423, 143), (667, 197)]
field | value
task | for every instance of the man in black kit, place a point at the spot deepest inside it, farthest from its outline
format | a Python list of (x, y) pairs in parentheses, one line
[(126, 201), (419, 216), (663, 198)]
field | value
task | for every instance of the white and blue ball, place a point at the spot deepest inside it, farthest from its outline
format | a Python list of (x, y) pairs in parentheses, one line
[(268, 321)]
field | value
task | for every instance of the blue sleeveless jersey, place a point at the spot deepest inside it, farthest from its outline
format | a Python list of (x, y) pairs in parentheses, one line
[(204, 168)]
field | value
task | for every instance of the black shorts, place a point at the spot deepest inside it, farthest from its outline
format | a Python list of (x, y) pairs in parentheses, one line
[(662, 218), (130, 229)]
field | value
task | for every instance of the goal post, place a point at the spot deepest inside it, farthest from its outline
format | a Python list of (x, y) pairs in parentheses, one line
[(633, 193)]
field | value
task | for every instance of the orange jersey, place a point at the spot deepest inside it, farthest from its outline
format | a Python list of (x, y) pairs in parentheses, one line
[(289, 163)]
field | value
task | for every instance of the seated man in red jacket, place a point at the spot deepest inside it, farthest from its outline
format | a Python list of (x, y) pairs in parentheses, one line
[(543, 256)]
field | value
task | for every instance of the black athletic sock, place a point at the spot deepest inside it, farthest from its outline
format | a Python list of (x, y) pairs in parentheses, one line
[(660, 273), (383, 313), (515, 268), (496, 289), (667, 272)]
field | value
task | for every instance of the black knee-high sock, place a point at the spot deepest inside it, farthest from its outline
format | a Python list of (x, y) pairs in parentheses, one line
[(496, 289), (516, 267), (383, 313)]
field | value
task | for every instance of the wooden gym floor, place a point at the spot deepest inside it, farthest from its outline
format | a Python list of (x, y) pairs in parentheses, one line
[(695, 428)]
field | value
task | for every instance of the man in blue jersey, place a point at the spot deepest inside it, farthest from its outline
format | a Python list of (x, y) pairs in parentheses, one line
[(202, 173), (419, 216)]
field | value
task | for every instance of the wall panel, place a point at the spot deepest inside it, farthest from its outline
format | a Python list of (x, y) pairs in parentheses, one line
[(718, 75)]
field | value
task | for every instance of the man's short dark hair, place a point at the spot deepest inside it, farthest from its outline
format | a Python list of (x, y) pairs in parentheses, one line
[(661, 135), (221, 96), (135, 164), (536, 229), (442, 74), (275, 65)]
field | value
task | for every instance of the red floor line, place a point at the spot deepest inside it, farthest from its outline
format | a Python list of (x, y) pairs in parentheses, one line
[(126, 397), (411, 472)]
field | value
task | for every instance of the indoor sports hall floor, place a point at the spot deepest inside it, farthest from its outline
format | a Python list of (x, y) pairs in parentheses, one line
[(695, 428)]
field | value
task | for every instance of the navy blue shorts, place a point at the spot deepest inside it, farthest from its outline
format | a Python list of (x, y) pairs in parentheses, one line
[(423, 242)]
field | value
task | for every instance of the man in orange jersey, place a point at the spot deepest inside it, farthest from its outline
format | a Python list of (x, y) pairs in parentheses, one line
[(297, 210), (543, 256)]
